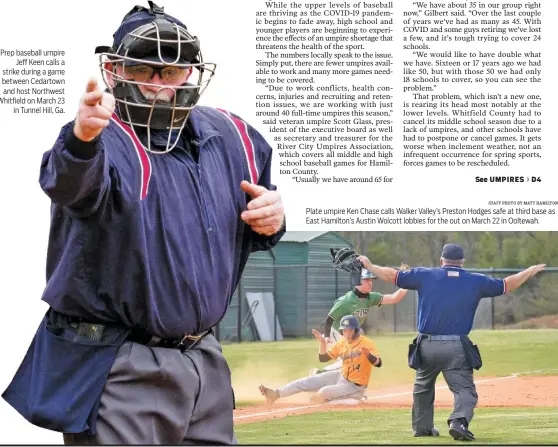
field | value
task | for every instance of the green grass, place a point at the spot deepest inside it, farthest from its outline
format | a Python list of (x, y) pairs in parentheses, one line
[(490, 426), (504, 353)]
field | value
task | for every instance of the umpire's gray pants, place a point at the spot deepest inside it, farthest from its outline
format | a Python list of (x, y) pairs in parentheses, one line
[(163, 396), (448, 358)]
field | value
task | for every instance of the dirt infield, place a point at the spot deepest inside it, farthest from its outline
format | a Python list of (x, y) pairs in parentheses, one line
[(544, 322), (510, 391)]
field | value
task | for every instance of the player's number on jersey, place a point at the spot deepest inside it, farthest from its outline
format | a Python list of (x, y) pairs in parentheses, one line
[(356, 367)]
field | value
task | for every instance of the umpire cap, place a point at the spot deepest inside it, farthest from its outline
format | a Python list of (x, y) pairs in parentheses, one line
[(162, 39), (453, 252)]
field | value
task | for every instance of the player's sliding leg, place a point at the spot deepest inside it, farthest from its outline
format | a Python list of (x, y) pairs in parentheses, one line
[(343, 389), (312, 383)]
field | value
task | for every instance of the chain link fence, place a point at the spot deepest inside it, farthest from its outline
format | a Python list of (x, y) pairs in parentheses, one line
[(302, 295)]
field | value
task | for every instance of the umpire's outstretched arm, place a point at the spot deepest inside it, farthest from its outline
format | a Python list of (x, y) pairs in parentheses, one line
[(515, 281), (512, 282)]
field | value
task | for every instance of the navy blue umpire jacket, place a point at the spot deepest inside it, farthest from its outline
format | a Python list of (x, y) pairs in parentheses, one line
[(448, 297), (137, 239)]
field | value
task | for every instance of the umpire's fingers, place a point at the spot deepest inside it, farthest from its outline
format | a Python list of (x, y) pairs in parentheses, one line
[(252, 189), (91, 85), (92, 123), (265, 199), (108, 102), (537, 268), (274, 219), (92, 118), (266, 231), (272, 207), (94, 112), (92, 93)]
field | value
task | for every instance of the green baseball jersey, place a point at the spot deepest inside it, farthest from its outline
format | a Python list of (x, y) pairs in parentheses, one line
[(351, 304)]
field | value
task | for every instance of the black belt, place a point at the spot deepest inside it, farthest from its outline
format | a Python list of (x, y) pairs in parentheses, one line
[(185, 343), (354, 383), (441, 337)]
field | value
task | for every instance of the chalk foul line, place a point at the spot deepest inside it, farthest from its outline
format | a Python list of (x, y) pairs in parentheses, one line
[(282, 410)]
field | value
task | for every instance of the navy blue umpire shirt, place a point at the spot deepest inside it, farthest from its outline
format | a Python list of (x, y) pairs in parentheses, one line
[(448, 297), (147, 240), (136, 239)]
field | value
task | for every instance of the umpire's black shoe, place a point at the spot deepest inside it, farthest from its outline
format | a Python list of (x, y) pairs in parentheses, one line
[(432, 432), (460, 432)]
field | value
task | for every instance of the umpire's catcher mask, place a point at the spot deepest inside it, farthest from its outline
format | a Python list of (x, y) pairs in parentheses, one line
[(149, 41), (345, 259)]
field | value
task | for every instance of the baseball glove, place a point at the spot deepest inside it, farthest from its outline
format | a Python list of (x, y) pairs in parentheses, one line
[(345, 259)]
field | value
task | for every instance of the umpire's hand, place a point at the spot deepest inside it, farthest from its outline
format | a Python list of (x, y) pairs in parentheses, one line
[(265, 212), (534, 269), (94, 112)]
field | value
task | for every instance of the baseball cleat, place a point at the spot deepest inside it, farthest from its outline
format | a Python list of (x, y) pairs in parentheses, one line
[(459, 432), (432, 432), (269, 394), (312, 372)]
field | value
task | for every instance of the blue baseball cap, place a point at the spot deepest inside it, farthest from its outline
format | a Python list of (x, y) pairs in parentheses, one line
[(453, 252), (153, 57), (348, 322), (137, 17)]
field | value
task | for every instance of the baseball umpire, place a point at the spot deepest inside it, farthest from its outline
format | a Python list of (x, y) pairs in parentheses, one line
[(156, 205), (356, 302), (358, 354), (448, 298)]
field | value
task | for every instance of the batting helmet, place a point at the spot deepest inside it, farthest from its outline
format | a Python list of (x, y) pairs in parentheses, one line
[(365, 274), (349, 322)]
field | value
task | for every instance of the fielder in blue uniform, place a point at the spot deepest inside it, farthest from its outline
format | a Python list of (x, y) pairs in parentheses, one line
[(156, 205), (448, 297)]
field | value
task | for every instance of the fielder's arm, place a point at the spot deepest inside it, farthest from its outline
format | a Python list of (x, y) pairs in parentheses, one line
[(395, 297), (515, 281), (327, 325), (386, 274)]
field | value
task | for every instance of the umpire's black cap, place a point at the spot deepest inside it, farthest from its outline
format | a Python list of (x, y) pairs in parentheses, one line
[(453, 252)]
